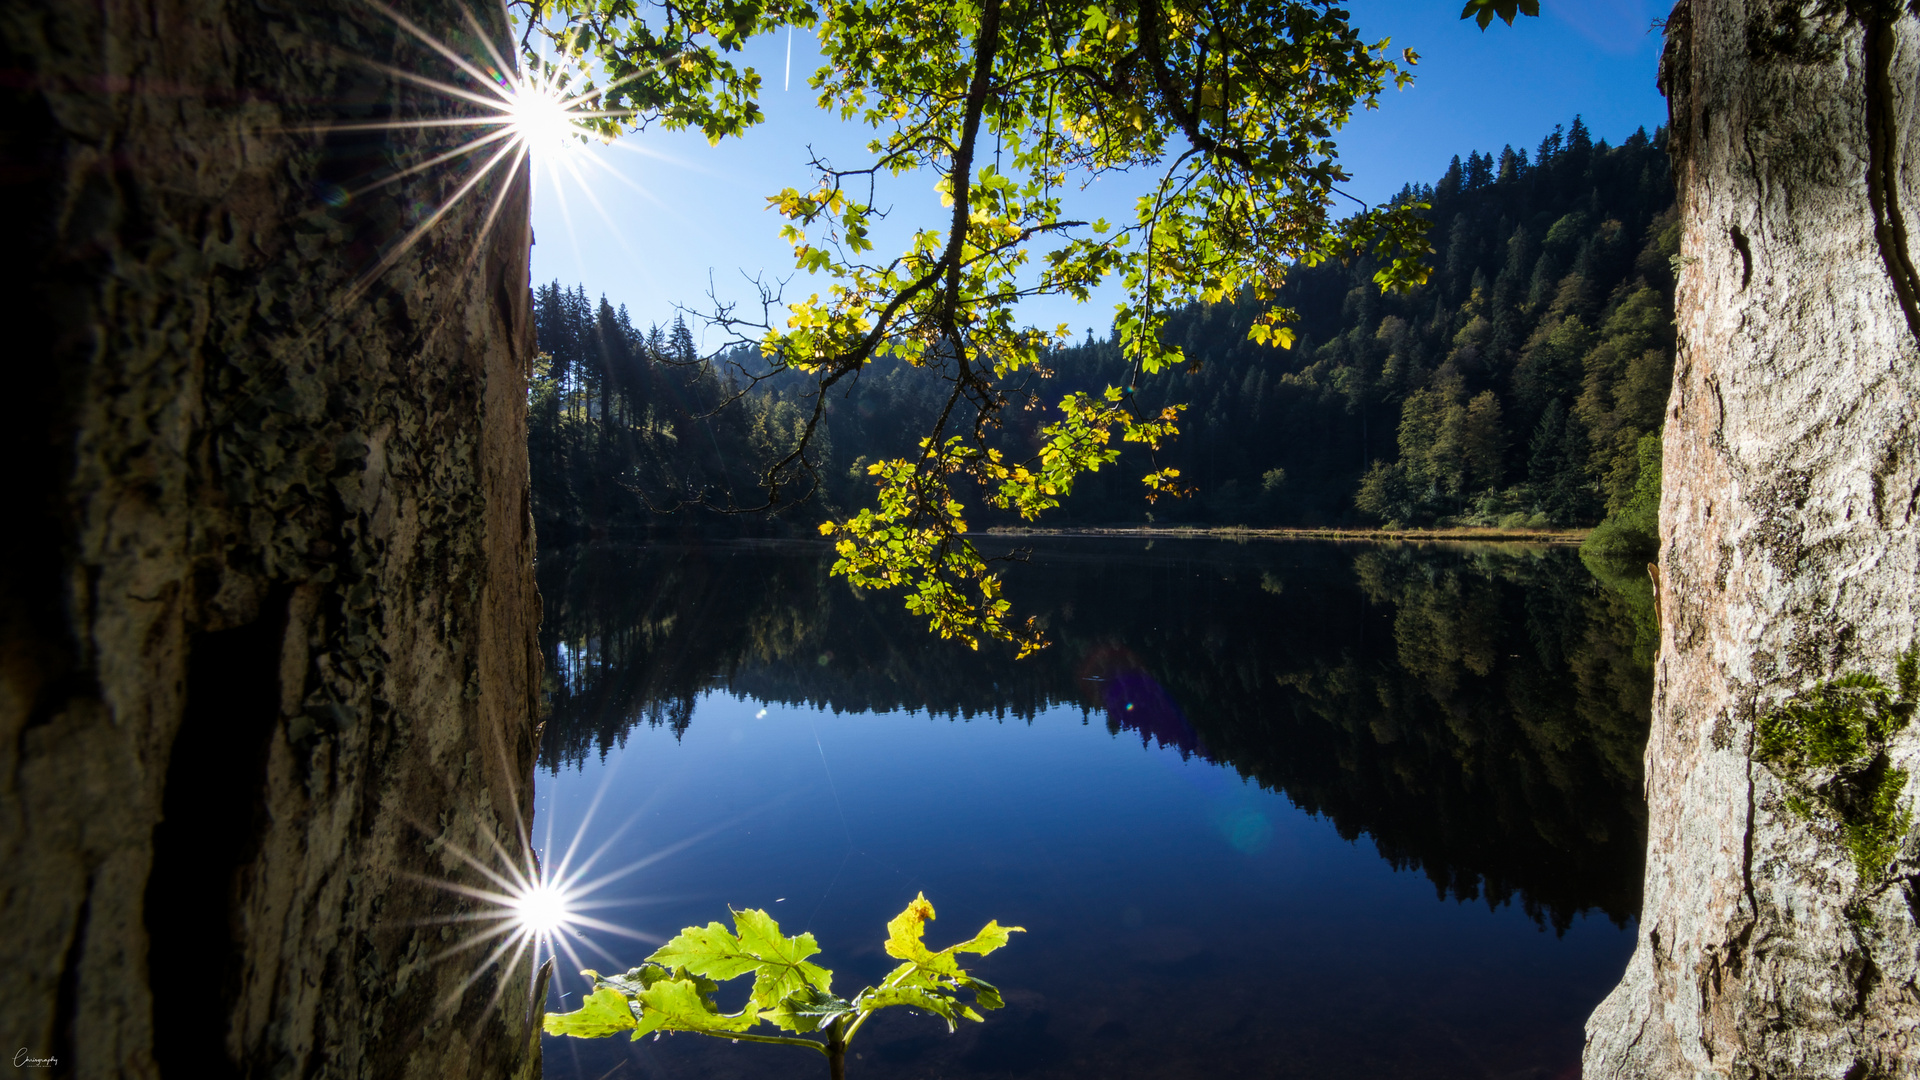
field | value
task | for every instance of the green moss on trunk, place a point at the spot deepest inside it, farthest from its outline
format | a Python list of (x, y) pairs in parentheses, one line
[(1829, 746)]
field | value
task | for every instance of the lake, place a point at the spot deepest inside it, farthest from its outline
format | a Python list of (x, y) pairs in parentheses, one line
[(1276, 809)]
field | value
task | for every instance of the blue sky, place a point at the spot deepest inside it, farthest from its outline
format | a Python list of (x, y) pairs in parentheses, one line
[(674, 214)]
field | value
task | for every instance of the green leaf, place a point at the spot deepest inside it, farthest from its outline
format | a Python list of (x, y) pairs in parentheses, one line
[(985, 994), (905, 932), (604, 1012), (808, 1009), (929, 980), (926, 999), (685, 1003), (631, 983), (711, 950), (991, 936), (1483, 11), (783, 969), (778, 964)]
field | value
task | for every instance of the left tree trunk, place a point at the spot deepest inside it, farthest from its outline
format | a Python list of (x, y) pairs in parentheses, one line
[(267, 654)]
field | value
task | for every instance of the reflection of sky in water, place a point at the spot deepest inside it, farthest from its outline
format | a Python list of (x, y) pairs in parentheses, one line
[(1182, 921)]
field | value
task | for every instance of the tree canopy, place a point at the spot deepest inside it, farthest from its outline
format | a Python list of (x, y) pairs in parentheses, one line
[(1011, 106)]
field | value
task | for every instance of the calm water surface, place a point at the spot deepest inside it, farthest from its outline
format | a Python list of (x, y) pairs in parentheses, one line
[(1275, 809)]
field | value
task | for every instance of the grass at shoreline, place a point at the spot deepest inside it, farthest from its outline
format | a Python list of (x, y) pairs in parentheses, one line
[(1362, 535)]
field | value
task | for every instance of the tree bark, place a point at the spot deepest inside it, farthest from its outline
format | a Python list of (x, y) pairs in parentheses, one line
[(1788, 554), (268, 654)]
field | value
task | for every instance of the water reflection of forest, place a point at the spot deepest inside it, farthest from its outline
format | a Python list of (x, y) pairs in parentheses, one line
[(1479, 712)]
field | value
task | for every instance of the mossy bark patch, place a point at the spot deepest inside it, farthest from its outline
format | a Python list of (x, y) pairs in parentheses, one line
[(1829, 746)]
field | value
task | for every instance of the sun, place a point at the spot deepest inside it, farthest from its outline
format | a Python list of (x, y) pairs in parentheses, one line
[(543, 909), (541, 113), (541, 117)]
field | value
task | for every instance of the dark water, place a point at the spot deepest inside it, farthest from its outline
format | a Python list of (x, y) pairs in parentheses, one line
[(1275, 809)]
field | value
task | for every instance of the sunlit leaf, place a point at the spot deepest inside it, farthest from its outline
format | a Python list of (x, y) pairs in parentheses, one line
[(779, 964), (603, 1012), (711, 950), (808, 1009), (905, 933), (783, 967), (686, 1004), (906, 930)]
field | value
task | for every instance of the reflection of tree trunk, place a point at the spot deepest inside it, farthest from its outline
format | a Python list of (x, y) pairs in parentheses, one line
[(268, 652), (1788, 552)]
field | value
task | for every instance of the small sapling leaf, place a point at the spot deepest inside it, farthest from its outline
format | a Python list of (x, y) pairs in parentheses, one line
[(809, 1009), (673, 990), (603, 1013)]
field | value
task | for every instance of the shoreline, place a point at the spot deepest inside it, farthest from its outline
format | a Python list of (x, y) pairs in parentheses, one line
[(1235, 532)]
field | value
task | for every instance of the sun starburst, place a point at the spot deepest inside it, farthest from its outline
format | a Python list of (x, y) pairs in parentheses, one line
[(543, 909), (543, 118), (543, 110), (544, 904), (527, 911)]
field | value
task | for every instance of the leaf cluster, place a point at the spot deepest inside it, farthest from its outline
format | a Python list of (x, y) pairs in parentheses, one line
[(1483, 11), (673, 990), (1230, 105), (666, 63)]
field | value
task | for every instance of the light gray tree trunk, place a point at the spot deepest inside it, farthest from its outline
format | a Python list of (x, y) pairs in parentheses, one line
[(267, 653), (1788, 550)]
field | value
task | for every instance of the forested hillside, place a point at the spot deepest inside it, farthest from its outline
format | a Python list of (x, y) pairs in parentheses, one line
[(628, 426), (1513, 388), (1523, 384)]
